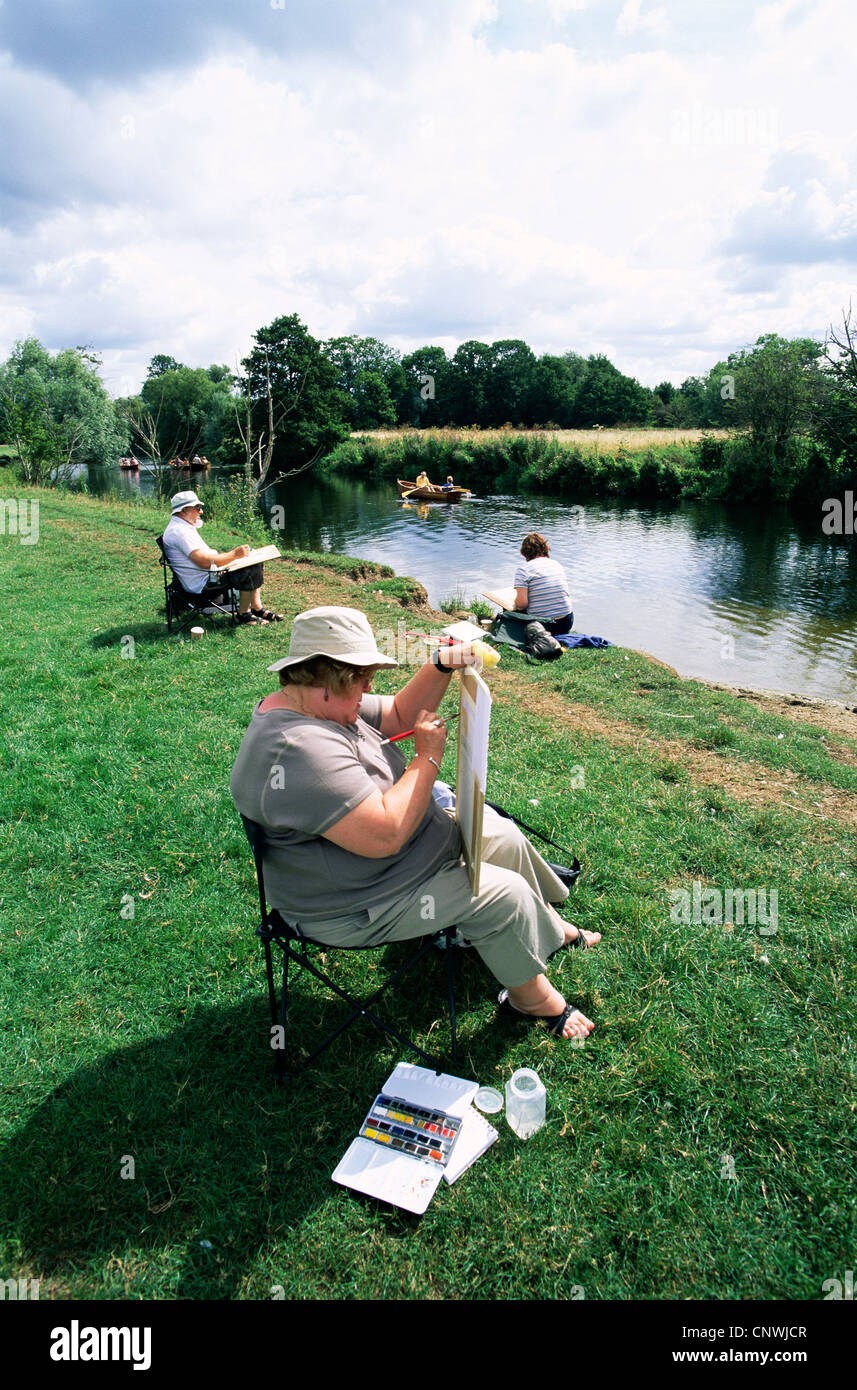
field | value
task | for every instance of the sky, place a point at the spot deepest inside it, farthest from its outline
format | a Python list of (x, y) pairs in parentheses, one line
[(662, 183)]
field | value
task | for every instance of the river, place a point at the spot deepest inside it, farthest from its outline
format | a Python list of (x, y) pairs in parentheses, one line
[(732, 594)]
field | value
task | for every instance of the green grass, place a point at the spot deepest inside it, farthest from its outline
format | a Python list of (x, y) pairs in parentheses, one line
[(146, 1035)]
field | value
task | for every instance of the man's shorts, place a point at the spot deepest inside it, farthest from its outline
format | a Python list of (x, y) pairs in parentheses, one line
[(243, 580)]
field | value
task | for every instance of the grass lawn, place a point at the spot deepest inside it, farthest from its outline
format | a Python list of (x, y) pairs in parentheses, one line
[(135, 1019)]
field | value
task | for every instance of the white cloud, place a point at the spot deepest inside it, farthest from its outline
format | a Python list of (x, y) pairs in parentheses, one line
[(439, 191), (559, 10), (655, 22)]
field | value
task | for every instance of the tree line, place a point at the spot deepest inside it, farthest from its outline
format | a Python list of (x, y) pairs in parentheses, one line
[(295, 398)]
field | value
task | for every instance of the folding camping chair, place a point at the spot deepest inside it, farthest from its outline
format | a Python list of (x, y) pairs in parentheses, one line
[(181, 605), (294, 943)]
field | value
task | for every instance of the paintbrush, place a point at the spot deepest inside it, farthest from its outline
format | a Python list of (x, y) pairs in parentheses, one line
[(447, 719)]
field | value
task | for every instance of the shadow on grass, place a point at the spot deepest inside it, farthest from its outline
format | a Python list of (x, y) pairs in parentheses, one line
[(226, 1165), (157, 631)]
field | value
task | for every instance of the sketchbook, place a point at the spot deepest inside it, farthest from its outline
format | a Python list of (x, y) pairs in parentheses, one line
[(420, 1128), (256, 557), (504, 598)]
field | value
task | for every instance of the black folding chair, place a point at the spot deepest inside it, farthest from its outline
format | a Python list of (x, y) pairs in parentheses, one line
[(181, 605), (294, 943)]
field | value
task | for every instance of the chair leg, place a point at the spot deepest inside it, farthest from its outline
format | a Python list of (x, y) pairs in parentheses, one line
[(451, 992), (281, 1074), (363, 1008)]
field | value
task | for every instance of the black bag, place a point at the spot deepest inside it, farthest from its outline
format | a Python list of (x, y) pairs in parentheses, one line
[(540, 643)]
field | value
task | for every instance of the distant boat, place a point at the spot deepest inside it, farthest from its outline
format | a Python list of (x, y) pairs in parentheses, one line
[(129, 463), (431, 494)]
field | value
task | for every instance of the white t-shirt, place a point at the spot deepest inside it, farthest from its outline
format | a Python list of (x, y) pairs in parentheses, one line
[(180, 538), (547, 587)]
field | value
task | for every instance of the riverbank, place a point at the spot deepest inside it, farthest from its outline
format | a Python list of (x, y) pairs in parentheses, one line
[(634, 465), (700, 1146)]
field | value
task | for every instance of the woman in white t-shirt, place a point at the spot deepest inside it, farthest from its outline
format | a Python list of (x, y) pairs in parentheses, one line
[(541, 588)]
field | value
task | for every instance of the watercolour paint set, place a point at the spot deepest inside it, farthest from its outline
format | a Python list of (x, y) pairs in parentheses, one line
[(427, 1134), (420, 1128)]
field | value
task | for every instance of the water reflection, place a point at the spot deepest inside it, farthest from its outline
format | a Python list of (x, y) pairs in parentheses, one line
[(731, 594)]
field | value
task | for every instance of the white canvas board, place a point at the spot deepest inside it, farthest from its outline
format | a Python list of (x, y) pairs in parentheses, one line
[(474, 727)]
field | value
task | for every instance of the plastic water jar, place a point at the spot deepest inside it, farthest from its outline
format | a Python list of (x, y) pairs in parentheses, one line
[(525, 1102)]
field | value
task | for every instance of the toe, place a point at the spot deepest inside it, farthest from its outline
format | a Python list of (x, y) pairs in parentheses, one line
[(575, 1026)]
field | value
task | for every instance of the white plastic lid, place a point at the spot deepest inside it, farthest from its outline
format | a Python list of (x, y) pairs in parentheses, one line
[(488, 1100)]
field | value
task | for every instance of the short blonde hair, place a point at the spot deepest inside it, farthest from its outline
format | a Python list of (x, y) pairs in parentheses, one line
[(336, 676)]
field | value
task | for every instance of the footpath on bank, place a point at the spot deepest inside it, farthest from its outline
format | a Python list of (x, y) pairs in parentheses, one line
[(701, 1145)]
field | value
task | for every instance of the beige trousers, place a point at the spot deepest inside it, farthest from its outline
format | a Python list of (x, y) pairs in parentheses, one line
[(507, 923)]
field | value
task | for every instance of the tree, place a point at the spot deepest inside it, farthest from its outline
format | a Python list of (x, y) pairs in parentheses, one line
[(56, 412), (470, 375), (161, 363), (510, 384), (837, 414), (555, 384), (190, 407), (368, 374), (777, 387), (607, 397), (426, 398), (295, 406)]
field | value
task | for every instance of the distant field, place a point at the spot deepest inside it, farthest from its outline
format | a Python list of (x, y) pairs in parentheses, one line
[(607, 440)]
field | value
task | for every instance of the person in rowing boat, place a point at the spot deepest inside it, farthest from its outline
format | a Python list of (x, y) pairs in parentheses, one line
[(358, 851)]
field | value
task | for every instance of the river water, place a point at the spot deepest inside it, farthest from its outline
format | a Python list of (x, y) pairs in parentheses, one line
[(731, 594)]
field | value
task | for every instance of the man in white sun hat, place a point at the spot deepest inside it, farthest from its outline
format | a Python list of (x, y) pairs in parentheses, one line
[(355, 843), (190, 560)]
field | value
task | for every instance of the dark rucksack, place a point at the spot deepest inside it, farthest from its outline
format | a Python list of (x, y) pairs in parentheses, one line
[(541, 644)]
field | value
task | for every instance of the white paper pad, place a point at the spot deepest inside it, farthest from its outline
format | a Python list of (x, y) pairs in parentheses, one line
[(406, 1182), (504, 598), (464, 631), (256, 557)]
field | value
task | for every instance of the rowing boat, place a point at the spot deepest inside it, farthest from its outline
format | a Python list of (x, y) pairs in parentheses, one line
[(431, 494)]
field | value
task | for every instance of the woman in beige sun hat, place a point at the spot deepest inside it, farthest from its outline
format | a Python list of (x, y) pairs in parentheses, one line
[(357, 850)]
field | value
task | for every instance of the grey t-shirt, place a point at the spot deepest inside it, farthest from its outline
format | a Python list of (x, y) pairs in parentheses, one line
[(297, 776)]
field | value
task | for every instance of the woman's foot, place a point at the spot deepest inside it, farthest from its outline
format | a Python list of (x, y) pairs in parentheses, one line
[(251, 619), (571, 932), (538, 999), (265, 615)]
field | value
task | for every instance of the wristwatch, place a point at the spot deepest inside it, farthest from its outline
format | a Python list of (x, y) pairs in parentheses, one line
[(437, 662)]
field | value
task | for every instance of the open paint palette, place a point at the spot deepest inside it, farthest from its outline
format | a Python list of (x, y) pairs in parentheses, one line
[(421, 1129), (407, 1128)]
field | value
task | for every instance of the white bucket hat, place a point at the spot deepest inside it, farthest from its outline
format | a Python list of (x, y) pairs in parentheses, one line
[(185, 499), (341, 634)]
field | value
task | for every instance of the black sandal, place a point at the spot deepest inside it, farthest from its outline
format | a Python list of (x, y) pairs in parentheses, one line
[(252, 618), (554, 1024), (266, 616)]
